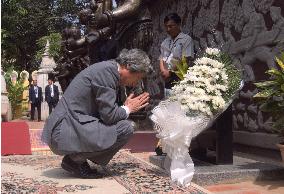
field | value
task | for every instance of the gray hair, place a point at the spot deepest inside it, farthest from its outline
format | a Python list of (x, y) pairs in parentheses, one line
[(135, 60)]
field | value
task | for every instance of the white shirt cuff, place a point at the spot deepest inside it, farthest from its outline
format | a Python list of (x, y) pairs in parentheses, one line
[(126, 110)]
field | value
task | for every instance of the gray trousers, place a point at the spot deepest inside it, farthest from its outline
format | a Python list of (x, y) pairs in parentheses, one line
[(124, 131)]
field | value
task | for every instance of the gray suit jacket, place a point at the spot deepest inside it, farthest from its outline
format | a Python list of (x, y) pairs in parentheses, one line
[(87, 113)]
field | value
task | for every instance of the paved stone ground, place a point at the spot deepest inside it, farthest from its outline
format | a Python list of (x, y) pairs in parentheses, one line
[(126, 173), (19, 178), (28, 179)]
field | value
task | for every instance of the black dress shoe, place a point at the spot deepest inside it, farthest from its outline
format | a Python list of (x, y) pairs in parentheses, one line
[(80, 170)]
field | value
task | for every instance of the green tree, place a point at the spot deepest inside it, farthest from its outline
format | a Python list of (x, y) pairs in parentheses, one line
[(24, 22)]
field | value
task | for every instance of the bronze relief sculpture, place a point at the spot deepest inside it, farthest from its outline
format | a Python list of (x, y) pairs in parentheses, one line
[(109, 30)]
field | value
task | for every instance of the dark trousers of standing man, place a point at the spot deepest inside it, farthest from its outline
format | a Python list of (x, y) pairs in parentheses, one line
[(51, 105), (36, 105)]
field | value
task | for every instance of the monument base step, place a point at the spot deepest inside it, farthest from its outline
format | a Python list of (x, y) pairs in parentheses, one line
[(242, 169)]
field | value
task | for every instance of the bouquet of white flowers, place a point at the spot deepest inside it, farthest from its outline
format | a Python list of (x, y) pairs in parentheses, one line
[(208, 85), (204, 92)]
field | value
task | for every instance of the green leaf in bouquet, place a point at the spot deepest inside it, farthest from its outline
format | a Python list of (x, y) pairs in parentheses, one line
[(181, 66), (266, 84), (280, 62), (281, 57), (226, 59), (274, 72), (265, 93), (179, 74), (282, 87)]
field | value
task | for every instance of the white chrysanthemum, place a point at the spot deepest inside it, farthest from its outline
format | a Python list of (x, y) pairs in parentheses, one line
[(224, 76), (218, 102), (212, 51), (203, 85)]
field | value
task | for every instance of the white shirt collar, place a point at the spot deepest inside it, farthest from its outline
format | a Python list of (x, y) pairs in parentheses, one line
[(118, 66)]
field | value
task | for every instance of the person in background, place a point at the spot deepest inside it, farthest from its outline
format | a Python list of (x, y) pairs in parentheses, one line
[(35, 99), (176, 46), (51, 95), (173, 48)]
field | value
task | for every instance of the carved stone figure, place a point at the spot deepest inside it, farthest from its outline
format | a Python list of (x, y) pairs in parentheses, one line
[(198, 24), (192, 5), (219, 38), (204, 3), (240, 119), (235, 122), (267, 125), (252, 109), (252, 29), (252, 126), (211, 41), (239, 20), (203, 43), (278, 20), (197, 48), (228, 13), (278, 27), (263, 5), (212, 20)]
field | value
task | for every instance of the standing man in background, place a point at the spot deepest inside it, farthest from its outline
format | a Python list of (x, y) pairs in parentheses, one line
[(51, 95), (176, 46), (35, 99)]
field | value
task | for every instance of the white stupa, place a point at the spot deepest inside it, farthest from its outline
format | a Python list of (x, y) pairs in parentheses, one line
[(46, 67)]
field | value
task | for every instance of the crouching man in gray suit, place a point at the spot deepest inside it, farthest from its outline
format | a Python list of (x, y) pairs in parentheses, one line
[(87, 123)]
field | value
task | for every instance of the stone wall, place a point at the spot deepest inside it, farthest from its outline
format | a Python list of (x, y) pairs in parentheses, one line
[(251, 31)]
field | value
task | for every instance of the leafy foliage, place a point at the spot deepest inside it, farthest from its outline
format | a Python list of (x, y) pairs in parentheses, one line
[(271, 94), (15, 91), (26, 21)]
